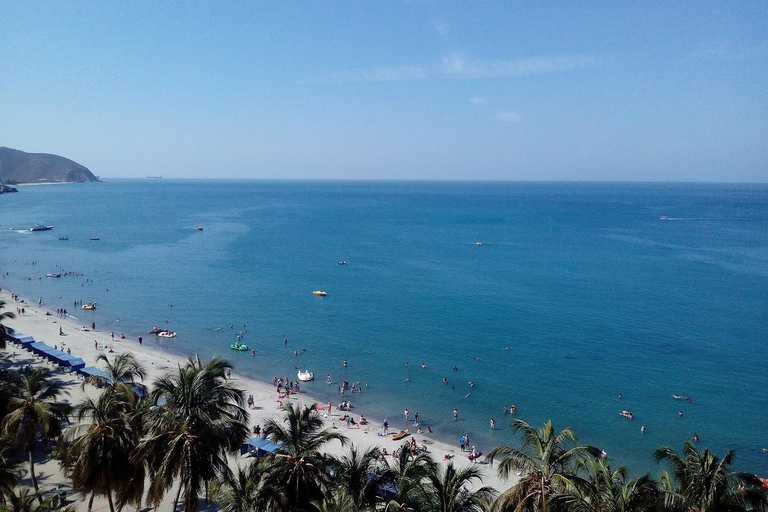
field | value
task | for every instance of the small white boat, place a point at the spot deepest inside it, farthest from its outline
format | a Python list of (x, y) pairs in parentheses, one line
[(663, 217), (306, 376), (52, 275), (167, 334), (478, 243), (94, 238), (199, 228), (319, 293)]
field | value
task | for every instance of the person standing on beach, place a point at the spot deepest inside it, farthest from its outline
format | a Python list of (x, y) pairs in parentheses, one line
[(386, 426)]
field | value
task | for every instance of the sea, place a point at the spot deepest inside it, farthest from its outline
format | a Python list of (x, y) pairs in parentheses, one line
[(573, 301)]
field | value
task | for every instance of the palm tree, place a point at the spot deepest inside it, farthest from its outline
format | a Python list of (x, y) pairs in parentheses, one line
[(244, 491), (408, 477), (359, 477), (10, 383), (103, 448), (27, 501), (34, 410), (123, 373), (705, 482), (5, 331), (610, 491), (548, 462), (199, 418), (9, 477), (298, 468), (449, 490)]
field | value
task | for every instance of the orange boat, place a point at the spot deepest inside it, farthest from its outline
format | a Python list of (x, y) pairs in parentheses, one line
[(400, 435)]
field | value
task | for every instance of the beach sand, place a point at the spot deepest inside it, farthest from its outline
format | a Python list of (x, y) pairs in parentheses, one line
[(45, 328)]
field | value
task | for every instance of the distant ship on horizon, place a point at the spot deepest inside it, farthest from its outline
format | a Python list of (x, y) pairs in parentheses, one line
[(154, 177)]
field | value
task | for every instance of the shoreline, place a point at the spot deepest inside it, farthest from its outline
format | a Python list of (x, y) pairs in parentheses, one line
[(35, 322)]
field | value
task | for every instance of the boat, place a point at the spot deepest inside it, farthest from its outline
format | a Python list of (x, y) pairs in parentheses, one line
[(94, 238), (167, 334), (342, 262), (626, 414), (199, 228), (89, 306), (663, 217), (474, 455), (306, 376), (154, 177), (239, 346), (478, 243), (319, 293), (400, 435), (156, 330), (40, 227), (52, 275)]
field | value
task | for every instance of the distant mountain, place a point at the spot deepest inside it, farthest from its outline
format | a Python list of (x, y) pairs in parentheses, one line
[(20, 167)]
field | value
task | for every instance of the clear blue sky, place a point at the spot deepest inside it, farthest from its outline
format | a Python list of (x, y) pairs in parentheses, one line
[(530, 90)]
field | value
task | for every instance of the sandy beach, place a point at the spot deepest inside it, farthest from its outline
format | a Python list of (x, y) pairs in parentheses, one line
[(47, 326)]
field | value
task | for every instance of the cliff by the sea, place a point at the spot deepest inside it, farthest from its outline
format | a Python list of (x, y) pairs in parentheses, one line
[(20, 167)]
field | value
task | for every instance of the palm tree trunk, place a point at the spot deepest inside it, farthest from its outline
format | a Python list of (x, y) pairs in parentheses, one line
[(34, 477), (176, 501), (90, 502), (543, 496), (109, 499)]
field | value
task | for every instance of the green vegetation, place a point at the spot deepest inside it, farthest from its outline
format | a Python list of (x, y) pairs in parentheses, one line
[(183, 435), (5, 331)]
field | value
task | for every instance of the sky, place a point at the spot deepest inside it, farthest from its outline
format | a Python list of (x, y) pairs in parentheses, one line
[(395, 89)]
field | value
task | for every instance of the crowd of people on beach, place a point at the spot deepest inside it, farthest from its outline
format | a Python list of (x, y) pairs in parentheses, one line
[(285, 387)]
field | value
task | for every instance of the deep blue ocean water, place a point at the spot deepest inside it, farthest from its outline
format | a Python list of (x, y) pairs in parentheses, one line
[(591, 292)]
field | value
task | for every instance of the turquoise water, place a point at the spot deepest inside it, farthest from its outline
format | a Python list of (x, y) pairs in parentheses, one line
[(591, 292)]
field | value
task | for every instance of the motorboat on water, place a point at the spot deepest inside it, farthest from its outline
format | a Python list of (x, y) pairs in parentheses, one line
[(40, 227), (52, 275), (89, 307), (167, 334), (199, 228), (319, 293), (663, 217), (94, 238), (478, 243), (626, 414), (305, 376)]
